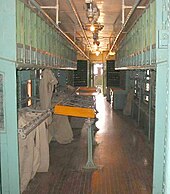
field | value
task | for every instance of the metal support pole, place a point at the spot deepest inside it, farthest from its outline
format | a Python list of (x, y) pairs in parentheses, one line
[(48, 7), (53, 7), (130, 7), (94, 142), (90, 164), (57, 12), (123, 11), (79, 22)]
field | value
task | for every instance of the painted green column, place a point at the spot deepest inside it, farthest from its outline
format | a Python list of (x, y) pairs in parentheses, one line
[(8, 132), (160, 127), (167, 164), (161, 176)]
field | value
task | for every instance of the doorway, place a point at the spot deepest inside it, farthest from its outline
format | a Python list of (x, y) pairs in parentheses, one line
[(98, 75)]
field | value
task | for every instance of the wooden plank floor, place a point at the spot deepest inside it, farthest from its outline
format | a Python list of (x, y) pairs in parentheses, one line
[(122, 151)]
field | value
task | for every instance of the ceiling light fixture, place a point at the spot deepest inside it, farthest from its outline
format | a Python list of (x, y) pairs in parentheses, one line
[(95, 46), (92, 11), (96, 25), (93, 14), (97, 42), (112, 53), (97, 53), (92, 28)]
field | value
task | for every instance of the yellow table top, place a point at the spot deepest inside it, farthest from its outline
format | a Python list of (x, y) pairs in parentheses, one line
[(87, 91), (74, 111), (69, 110)]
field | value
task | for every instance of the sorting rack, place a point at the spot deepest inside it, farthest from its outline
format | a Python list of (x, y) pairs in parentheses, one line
[(26, 130), (82, 104)]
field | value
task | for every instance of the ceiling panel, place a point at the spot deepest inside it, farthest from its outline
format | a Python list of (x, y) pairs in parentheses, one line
[(110, 17)]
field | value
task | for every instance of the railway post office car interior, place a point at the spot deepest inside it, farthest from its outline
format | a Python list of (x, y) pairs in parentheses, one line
[(84, 96)]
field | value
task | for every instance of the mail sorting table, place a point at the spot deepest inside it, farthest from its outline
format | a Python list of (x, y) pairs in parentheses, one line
[(81, 105)]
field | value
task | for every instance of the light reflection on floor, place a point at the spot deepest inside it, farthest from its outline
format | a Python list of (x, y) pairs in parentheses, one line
[(102, 113)]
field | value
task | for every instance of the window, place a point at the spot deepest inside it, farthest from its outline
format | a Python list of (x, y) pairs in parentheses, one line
[(147, 85), (136, 85), (29, 92)]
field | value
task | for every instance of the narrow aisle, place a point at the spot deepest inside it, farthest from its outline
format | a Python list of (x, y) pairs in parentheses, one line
[(122, 151)]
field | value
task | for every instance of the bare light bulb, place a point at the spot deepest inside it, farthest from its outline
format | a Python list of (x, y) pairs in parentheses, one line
[(92, 28), (112, 53), (95, 47), (97, 53)]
